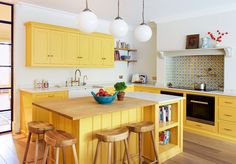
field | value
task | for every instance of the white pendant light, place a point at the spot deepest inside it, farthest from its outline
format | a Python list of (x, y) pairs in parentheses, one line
[(88, 21), (143, 32), (118, 27)]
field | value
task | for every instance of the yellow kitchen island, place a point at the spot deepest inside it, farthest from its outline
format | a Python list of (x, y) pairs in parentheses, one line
[(83, 117)]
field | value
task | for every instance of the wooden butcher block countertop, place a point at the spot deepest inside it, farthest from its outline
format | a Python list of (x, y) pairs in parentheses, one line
[(85, 107)]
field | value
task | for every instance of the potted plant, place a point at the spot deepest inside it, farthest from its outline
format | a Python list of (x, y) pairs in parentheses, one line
[(120, 87)]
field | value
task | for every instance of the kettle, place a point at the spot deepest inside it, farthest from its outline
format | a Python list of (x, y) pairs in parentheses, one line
[(200, 86)]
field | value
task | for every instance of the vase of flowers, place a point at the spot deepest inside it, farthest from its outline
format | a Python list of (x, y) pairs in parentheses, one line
[(217, 38)]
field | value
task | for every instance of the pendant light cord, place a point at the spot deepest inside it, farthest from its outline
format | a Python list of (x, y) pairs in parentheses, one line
[(86, 4), (143, 13), (118, 12), (118, 8)]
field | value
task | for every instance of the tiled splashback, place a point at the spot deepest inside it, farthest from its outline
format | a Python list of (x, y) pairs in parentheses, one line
[(184, 71)]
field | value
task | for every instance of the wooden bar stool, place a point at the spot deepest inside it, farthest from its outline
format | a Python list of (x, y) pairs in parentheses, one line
[(140, 128), (112, 136), (59, 139), (36, 127)]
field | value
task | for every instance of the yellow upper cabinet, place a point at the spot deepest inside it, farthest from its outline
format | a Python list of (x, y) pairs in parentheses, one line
[(54, 46), (103, 51)]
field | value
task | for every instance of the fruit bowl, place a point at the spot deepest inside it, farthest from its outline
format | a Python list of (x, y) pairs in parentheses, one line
[(104, 99)]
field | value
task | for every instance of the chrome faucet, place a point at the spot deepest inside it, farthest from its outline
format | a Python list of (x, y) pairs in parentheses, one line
[(75, 80), (78, 70)]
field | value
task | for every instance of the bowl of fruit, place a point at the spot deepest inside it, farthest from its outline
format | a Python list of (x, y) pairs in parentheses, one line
[(103, 97)]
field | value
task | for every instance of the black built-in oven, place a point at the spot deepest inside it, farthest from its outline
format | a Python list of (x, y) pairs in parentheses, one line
[(201, 109)]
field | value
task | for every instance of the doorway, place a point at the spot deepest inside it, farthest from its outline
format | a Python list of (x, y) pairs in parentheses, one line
[(6, 67)]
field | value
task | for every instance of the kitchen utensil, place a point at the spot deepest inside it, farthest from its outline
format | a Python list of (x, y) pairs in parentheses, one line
[(104, 99), (200, 86)]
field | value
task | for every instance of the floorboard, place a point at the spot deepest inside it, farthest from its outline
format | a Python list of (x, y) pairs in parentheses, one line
[(197, 150)]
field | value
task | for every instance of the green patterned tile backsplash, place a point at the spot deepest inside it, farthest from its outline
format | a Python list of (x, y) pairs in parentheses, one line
[(184, 71)]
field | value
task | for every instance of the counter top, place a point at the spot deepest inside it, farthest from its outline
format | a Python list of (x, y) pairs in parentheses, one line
[(84, 107), (106, 85), (158, 98)]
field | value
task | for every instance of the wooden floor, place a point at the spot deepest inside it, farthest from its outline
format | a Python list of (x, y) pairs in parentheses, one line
[(197, 150)]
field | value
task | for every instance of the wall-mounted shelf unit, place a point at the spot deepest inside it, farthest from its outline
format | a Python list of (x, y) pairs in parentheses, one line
[(128, 54), (227, 51), (125, 49)]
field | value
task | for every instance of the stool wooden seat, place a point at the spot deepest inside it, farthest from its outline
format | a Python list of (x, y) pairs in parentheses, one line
[(36, 127), (59, 139), (112, 136), (140, 128)]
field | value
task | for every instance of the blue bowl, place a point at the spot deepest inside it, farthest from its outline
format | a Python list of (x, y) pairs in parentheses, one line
[(105, 99), (125, 57)]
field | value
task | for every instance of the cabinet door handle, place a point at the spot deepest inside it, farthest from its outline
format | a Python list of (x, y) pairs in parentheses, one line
[(226, 102), (227, 115), (226, 129), (199, 102), (51, 95)]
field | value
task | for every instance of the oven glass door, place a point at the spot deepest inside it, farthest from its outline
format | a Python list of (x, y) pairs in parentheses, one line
[(201, 109)]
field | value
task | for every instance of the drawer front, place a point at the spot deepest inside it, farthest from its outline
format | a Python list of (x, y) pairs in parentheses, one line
[(201, 126), (51, 96), (227, 113), (227, 101), (227, 128)]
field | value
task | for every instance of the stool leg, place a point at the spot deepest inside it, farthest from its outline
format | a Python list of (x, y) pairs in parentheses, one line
[(63, 155), (96, 153), (114, 161), (154, 146), (124, 157), (127, 150), (36, 150), (109, 159), (27, 148), (45, 157), (140, 147), (57, 156), (75, 154)]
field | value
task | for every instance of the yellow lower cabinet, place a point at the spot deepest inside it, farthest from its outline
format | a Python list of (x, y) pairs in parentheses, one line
[(227, 113), (227, 128), (201, 126), (26, 100), (227, 101), (146, 89)]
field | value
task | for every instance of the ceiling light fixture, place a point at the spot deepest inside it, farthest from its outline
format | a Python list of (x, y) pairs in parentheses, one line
[(88, 21), (119, 27), (143, 32)]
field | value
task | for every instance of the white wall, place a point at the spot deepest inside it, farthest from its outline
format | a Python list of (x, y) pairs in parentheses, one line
[(172, 36), (24, 76), (146, 55)]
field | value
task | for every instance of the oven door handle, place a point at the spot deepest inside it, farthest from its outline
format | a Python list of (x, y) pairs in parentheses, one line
[(199, 102)]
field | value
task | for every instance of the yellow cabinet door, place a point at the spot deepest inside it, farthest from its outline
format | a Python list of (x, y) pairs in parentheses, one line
[(84, 46), (56, 47), (71, 49), (108, 52), (40, 46), (97, 56)]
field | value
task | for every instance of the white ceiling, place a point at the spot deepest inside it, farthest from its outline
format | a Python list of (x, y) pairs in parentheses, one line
[(159, 10)]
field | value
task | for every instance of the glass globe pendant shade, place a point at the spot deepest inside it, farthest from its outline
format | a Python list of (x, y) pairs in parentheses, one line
[(119, 28), (88, 21), (143, 33)]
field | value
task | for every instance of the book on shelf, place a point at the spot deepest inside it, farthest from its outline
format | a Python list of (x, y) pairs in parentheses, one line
[(165, 114), (164, 137)]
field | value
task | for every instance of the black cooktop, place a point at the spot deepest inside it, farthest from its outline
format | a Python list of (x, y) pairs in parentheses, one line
[(191, 88)]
